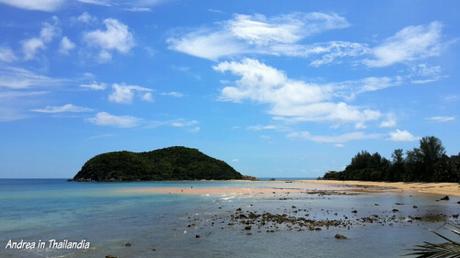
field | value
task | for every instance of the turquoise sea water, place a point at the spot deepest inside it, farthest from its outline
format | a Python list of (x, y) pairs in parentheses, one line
[(156, 224)]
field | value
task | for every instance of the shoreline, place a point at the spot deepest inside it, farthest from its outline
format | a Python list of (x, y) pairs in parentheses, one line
[(293, 187), (428, 188)]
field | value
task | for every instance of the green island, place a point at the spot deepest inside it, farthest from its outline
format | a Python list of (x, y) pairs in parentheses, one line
[(427, 163), (172, 163)]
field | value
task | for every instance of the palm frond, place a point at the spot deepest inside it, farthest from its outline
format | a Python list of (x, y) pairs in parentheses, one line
[(449, 249)]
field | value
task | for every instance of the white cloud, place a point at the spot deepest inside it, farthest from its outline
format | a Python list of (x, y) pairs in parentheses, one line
[(402, 136), (94, 85), (409, 44), (263, 127), (19, 78), (389, 122), (123, 93), (106, 119), (85, 17), (441, 119), (189, 125), (290, 99), (7, 55), (38, 5), (115, 37), (331, 51), (335, 139), (278, 35), (66, 46), (31, 46), (138, 9), (423, 73), (174, 94), (67, 108), (97, 2)]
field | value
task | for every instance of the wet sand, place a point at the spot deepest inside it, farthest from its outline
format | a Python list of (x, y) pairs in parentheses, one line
[(258, 188), (431, 188)]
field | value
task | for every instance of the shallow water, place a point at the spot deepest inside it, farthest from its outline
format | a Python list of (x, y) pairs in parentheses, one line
[(109, 218)]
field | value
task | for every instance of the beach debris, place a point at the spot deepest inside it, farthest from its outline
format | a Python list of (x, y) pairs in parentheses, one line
[(398, 203), (354, 211), (445, 198), (154, 249), (395, 210), (415, 206), (340, 237), (110, 256), (128, 244), (197, 236), (376, 204)]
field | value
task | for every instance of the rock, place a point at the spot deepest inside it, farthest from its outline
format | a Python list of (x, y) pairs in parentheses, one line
[(395, 210), (354, 211), (445, 198), (455, 216), (376, 204), (128, 244), (153, 249), (458, 202), (197, 236), (110, 256), (340, 237), (247, 228), (415, 207), (398, 203)]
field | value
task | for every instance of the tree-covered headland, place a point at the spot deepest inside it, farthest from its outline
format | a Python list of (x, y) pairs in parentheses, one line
[(427, 163)]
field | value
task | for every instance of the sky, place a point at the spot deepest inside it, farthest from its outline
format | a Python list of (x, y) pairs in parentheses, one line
[(275, 89)]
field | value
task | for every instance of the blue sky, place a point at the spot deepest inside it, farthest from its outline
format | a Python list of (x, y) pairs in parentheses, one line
[(278, 89)]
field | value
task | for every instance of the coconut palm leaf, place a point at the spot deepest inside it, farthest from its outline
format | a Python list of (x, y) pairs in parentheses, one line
[(449, 249)]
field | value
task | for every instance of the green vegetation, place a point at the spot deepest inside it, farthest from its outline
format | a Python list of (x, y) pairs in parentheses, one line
[(427, 163), (173, 163), (447, 249)]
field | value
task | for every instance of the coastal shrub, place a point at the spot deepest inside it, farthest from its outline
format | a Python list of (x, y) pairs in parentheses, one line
[(427, 163)]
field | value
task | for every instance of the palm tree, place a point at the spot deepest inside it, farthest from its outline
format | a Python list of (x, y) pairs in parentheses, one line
[(449, 249)]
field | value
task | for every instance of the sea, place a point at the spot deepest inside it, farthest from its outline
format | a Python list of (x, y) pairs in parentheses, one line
[(118, 223)]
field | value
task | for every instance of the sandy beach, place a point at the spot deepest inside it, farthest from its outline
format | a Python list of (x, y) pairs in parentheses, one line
[(431, 188), (307, 186)]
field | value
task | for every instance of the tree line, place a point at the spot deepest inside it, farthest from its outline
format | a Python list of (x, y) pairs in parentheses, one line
[(427, 163)]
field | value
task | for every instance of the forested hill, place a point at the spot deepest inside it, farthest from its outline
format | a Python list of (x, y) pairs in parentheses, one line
[(173, 163), (427, 163)]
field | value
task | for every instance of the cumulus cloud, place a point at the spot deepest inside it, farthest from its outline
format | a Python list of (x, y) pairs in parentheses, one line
[(125, 94), (115, 38), (19, 78), (67, 108), (402, 136), (31, 46), (7, 55), (66, 45), (278, 35), (409, 44), (37, 5), (289, 99), (335, 139), (85, 17), (441, 119), (106, 119)]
